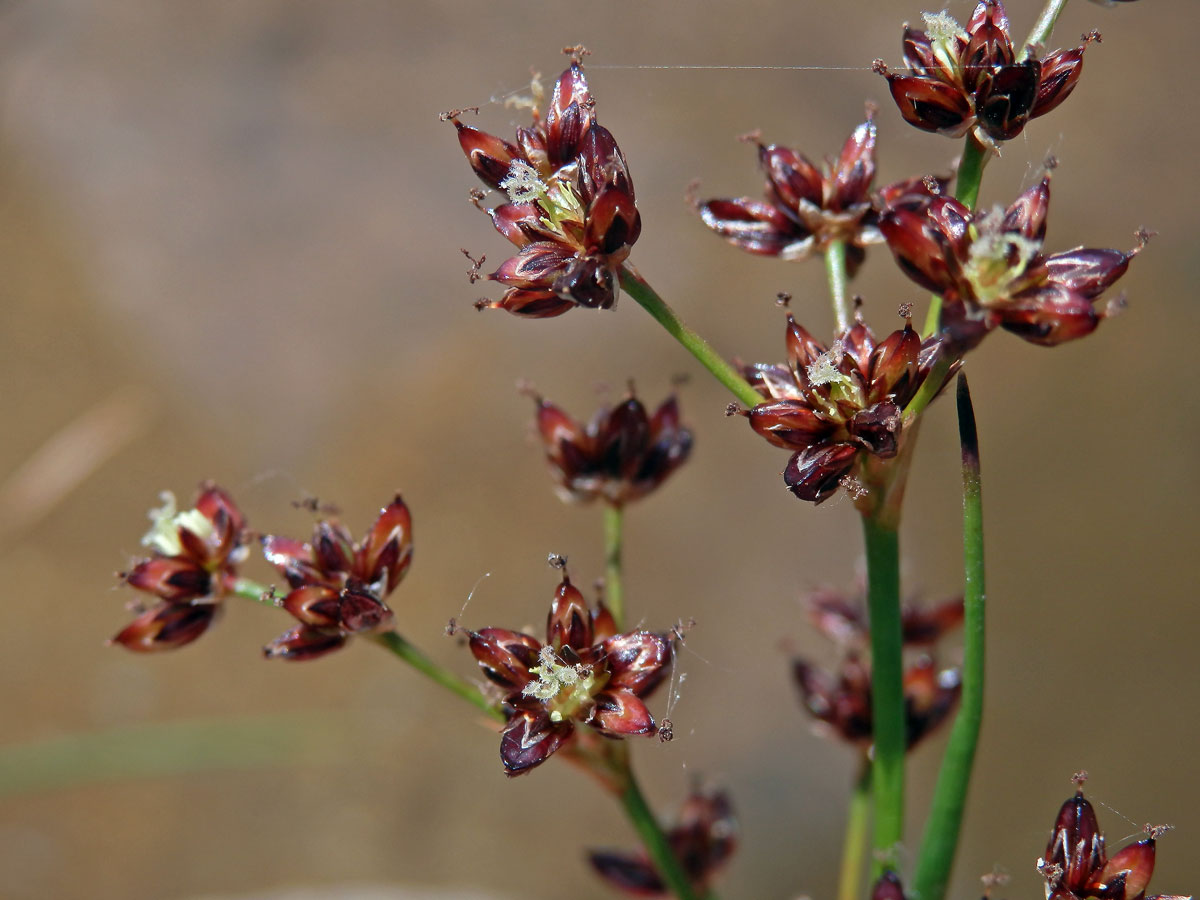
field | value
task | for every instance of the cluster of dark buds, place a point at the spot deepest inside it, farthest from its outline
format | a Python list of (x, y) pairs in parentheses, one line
[(963, 78), (338, 587), (842, 700), (703, 840), (806, 209), (584, 673), (831, 405), (990, 270), (1076, 865), (196, 553), (622, 454), (571, 211)]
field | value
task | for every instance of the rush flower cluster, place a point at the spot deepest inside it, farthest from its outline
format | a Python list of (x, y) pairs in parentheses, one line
[(571, 208), (830, 405), (806, 208), (963, 78), (703, 838), (584, 674), (620, 455), (990, 270), (1077, 866), (841, 700), (194, 564), (338, 586)]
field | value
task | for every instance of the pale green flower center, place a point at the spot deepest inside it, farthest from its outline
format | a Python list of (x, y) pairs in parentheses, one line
[(163, 535), (943, 32), (557, 199), (564, 689), (825, 370), (997, 257)]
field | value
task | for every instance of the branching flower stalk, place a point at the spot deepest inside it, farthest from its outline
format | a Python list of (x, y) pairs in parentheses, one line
[(848, 410), (400, 647), (637, 288), (619, 775)]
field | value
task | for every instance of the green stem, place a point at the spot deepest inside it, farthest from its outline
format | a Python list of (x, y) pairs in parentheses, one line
[(835, 272), (928, 390), (614, 598), (398, 645), (654, 839), (1043, 26), (854, 846), (640, 291), (887, 688), (940, 841), (161, 749), (970, 172), (252, 590)]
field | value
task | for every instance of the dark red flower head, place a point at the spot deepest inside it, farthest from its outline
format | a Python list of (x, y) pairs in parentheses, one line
[(703, 839), (990, 270), (806, 208), (963, 78), (622, 454), (571, 208), (831, 404), (338, 586), (1076, 865), (196, 553), (842, 700), (584, 673)]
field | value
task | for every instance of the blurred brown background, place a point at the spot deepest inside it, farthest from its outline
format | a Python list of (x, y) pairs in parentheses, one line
[(231, 237)]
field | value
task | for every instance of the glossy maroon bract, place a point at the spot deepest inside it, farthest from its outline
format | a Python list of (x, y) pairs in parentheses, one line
[(830, 405), (990, 269), (1076, 865), (338, 586), (963, 78), (571, 210), (621, 454), (841, 699), (196, 554), (806, 208), (583, 674)]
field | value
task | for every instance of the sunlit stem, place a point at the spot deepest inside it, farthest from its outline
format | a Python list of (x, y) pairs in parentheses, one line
[(929, 388), (634, 285), (1043, 27), (940, 842), (887, 688), (854, 845), (252, 590), (835, 272), (970, 172), (653, 838), (398, 645), (614, 597)]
